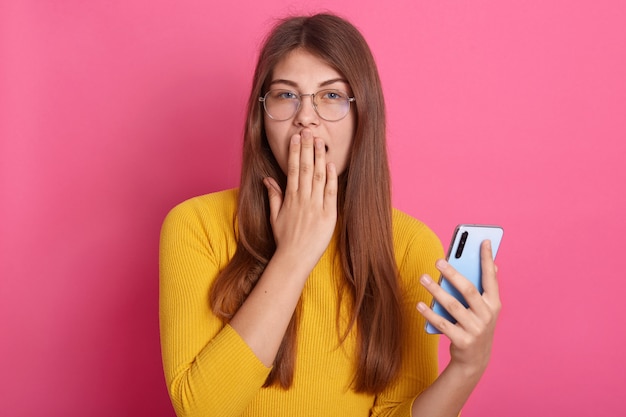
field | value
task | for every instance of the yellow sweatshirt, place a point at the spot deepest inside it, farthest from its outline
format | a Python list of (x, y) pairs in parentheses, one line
[(209, 369)]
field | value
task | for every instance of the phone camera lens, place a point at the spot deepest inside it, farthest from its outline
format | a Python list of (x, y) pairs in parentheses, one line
[(459, 249)]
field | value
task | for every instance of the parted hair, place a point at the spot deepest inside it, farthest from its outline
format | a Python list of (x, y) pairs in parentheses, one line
[(365, 239)]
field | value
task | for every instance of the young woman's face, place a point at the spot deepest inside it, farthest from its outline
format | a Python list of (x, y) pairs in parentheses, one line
[(304, 73)]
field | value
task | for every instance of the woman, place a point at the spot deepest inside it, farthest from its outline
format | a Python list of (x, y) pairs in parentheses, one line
[(296, 293)]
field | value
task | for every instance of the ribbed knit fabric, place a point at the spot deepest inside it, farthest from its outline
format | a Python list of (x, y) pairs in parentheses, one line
[(209, 369)]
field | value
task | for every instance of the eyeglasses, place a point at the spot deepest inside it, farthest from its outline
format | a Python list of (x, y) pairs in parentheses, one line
[(330, 105)]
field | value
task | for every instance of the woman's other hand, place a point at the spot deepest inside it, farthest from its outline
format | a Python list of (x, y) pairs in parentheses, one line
[(472, 336)]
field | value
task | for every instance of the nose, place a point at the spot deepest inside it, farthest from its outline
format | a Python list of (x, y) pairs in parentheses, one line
[(306, 114)]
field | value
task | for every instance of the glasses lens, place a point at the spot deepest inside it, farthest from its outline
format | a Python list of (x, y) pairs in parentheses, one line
[(332, 105), (281, 104)]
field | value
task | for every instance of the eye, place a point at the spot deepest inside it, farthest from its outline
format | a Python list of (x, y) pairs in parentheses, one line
[(332, 95), (284, 95)]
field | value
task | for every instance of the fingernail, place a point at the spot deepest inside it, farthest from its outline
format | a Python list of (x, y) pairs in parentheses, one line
[(295, 139), (441, 264), (425, 280), (421, 307)]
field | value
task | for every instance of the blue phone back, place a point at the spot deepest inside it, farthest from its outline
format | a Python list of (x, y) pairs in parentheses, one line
[(468, 264)]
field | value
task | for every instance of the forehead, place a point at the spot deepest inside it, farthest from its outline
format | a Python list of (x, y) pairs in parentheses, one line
[(304, 69)]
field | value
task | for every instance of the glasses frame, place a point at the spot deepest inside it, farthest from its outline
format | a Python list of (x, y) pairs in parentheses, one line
[(299, 96)]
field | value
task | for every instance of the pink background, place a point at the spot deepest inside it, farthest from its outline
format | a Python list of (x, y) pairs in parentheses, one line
[(111, 112)]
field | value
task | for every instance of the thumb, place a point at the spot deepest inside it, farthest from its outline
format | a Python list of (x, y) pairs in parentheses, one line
[(489, 268), (275, 195)]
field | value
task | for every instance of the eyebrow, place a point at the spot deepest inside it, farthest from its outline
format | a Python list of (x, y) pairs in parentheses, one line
[(322, 84)]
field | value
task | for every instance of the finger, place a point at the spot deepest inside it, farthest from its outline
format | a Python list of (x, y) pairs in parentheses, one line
[(465, 287), (275, 196), (330, 192), (293, 164), (319, 170), (489, 269), (442, 324), (306, 162), (489, 276), (447, 301)]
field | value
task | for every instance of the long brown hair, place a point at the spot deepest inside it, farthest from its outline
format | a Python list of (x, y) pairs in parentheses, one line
[(364, 206)]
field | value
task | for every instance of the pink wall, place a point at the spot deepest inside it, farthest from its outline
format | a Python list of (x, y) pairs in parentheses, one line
[(503, 112)]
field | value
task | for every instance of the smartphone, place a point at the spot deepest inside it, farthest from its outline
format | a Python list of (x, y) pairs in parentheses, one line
[(464, 256)]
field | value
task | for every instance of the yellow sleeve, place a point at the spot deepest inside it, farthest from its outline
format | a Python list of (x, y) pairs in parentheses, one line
[(209, 369), (417, 249)]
